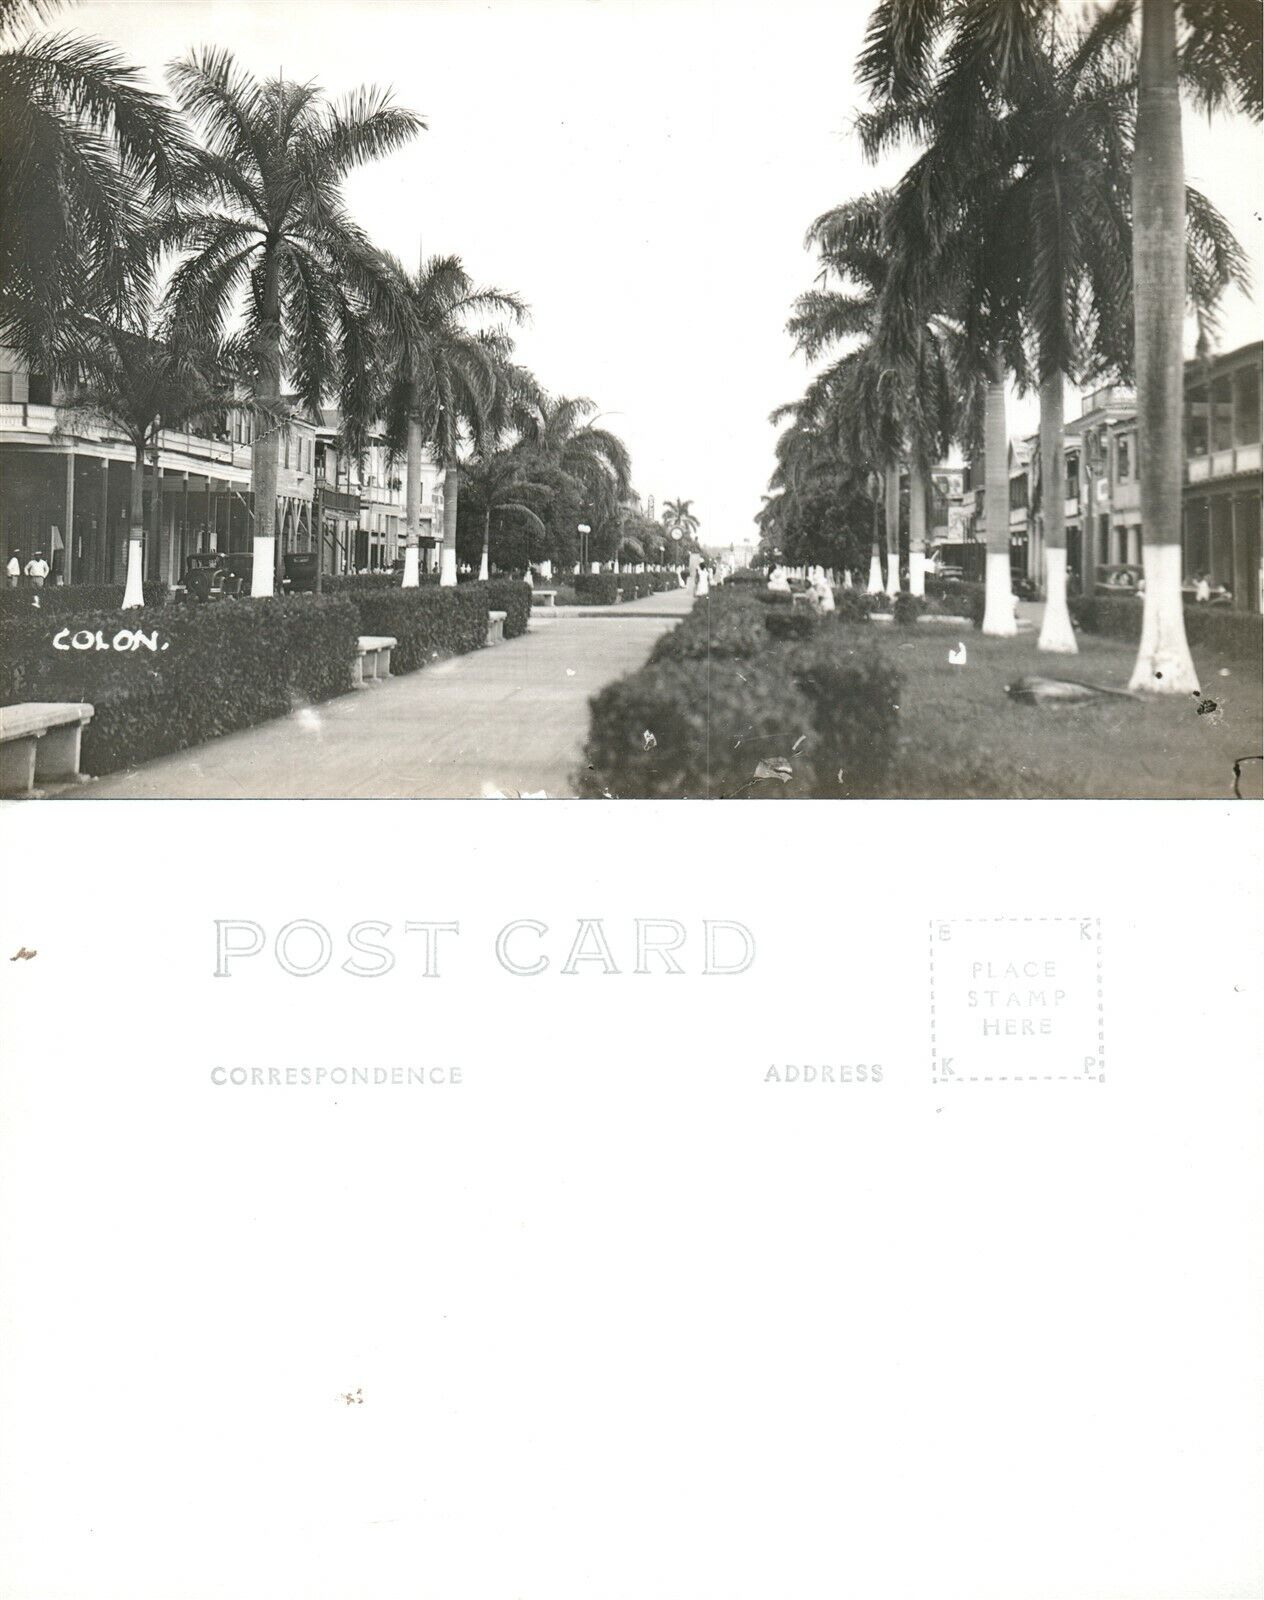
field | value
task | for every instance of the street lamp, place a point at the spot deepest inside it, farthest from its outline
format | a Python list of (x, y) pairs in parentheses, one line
[(584, 531)]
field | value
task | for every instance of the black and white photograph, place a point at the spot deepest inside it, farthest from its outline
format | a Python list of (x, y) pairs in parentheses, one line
[(622, 400), (411, 403)]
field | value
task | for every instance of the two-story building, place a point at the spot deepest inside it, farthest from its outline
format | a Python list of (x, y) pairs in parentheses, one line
[(1223, 473), (66, 484), (361, 507)]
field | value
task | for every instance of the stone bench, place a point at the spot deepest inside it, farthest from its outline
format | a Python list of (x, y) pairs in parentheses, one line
[(496, 627), (373, 658), (40, 742), (544, 597)]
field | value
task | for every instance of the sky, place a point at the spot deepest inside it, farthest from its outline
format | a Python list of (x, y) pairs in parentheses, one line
[(641, 172)]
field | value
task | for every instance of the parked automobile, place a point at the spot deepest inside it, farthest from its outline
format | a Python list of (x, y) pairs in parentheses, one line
[(1119, 580)]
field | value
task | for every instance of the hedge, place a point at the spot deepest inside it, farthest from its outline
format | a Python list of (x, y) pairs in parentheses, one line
[(77, 597), (514, 599), (596, 588), (697, 728), (720, 625), (225, 666), (638, 585), (427, 622), (1235, 633), (689, 725)]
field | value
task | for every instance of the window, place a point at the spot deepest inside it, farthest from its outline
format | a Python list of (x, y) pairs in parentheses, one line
[(287, 447), (1073, 477), (1196, 435), (1246, 425), (1222, 413), (1123, 457)]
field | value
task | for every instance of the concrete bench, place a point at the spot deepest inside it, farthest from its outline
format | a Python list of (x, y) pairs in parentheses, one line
[(496, 627), (544, 597), (373, 658), (40, 742)]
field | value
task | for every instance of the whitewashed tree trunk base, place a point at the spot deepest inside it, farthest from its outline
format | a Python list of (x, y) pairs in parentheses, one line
[(447, 568), (1057, 636), (134, 591), (483, 567), (1164, 664), (998, 611), (917, 572), (875, 574), (412, 567), (263, 571)]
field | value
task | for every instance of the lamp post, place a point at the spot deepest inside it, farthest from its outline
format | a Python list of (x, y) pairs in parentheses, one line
[(584, 531)]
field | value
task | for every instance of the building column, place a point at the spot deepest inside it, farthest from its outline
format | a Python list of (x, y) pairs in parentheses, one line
[(68, 551), (102, 542)]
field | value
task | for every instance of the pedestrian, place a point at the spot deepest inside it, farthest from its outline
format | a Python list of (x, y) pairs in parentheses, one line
[(37, 570), (14, 569), (701, 583), (1202, 588)]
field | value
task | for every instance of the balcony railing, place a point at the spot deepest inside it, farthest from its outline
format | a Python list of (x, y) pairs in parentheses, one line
[(48, 422), (1223, 463)]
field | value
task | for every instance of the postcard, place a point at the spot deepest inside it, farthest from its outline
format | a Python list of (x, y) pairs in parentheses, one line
[(408, 405)]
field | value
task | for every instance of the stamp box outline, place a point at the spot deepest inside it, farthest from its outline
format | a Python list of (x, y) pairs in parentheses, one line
[(1019, 1077)]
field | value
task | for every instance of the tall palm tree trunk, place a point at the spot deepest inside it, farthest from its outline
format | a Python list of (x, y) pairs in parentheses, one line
[(447, 561), (1164, 664), (892, 520), (484, 565), (265, 451), (917, 526), (875, 559), (134, 586), (998, 608), (1056, 633), (412, 546)]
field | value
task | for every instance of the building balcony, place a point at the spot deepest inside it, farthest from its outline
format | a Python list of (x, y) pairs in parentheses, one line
[(52, 427), (1237, 460), (1126, 495)]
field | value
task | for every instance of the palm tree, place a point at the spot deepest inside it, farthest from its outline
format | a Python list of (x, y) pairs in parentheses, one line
[(88, 155), (445, 381), (678, 515), (267, 238), (1221, 59), (564, 447), (499, 485), (950, 72), (902, 370), (139, 383)]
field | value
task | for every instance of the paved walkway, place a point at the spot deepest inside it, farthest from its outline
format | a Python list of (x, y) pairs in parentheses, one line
[(511, 720)]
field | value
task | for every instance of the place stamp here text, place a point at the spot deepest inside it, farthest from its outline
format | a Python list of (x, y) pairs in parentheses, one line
[(1016, 999)]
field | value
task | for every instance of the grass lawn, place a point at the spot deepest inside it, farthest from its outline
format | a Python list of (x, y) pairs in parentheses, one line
[(962, 736)]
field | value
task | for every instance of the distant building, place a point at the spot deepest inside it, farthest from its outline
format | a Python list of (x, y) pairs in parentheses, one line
[(1222, 473), (361, 504), (1221, 497), (65, 488)]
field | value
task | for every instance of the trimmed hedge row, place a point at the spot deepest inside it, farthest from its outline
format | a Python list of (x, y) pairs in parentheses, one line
[(514, 599), (77, 597), (605, 588), (216, 669), (722, 709), (427, 623), (639, 585), (595, 588), (1236, 633)]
